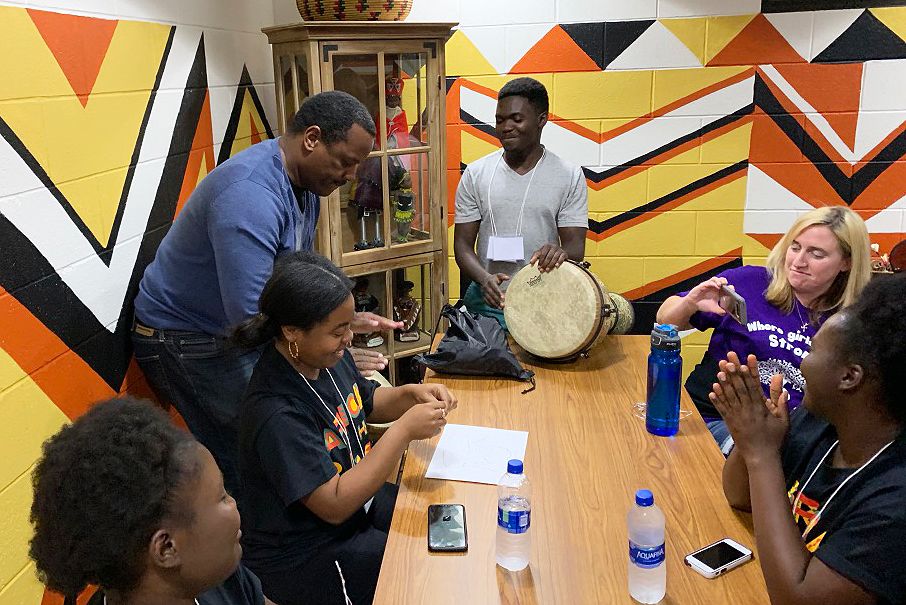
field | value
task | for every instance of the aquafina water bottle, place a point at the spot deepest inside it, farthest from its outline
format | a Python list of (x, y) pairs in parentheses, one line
[(647, 567), (514, 518)]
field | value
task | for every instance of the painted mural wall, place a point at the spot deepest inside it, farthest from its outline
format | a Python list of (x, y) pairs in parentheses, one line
[(703, 127), (109, 117)]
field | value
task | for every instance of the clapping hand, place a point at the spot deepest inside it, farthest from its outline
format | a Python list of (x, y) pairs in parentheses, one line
[(758, 425)]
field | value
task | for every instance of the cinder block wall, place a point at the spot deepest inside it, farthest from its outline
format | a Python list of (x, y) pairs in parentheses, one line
[(703, 127), (109, 116)]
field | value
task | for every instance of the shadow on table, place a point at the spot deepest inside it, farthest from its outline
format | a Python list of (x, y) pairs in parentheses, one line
[(606, 353), (516, 587)]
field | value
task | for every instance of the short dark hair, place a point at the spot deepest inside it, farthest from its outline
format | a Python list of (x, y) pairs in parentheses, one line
[(529, 88), (334, 112), (101, 489), (873, 336), (304, 289)]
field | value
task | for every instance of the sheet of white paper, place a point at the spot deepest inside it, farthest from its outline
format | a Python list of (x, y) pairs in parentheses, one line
[(475, 453), (506, 248)]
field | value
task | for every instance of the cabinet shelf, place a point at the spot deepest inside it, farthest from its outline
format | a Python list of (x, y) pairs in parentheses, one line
[(388, 228)]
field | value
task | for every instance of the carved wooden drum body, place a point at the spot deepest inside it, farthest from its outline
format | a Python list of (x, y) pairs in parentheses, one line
[(561, 314)]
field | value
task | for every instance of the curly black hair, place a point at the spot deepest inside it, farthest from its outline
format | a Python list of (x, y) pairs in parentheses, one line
[(529, 88), (874, 335), (334, 112), (101, 489)]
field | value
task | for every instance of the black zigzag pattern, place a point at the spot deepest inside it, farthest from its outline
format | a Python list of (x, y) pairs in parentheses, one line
[(27, 275), (848, 188), (602, 226)]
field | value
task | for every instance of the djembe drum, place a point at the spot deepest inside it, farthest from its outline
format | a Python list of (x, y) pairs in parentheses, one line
[(562, 314)]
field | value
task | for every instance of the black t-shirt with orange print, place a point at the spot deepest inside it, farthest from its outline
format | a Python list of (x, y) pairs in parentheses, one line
[(291, 442), (860, 534)]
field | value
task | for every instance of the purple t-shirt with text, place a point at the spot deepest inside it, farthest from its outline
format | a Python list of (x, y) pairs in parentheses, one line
[(777, 339)]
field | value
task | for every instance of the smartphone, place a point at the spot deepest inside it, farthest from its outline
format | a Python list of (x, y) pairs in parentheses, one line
[(447, 528), (718, 558), (734, 304)]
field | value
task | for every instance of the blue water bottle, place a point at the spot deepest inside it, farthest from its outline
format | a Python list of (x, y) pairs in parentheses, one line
[(665, 370)]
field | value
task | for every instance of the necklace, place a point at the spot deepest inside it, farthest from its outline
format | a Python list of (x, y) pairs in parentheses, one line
[(805, 324), (817, 516)]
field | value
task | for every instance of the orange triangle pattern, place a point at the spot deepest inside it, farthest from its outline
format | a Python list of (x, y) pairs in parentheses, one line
[(834, 90), (256, 136), (201, 158), (79, 44), (758, 43), (555, 52)]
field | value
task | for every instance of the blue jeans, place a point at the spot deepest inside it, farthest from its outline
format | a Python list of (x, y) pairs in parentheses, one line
[(721, 435), (204, 378)]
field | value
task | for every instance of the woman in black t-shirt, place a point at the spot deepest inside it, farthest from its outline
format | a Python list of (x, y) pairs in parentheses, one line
[(316, 507), (827, 484), (125, 500)]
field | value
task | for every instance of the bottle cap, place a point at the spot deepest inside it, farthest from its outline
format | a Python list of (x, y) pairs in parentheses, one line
[(644, 497), (665, 337), (514, 466)]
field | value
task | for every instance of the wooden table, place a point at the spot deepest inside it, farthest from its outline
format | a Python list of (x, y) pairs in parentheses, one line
[(587, 455)]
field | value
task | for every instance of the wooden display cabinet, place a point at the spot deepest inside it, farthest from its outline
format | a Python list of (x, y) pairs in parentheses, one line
[(389, 225)]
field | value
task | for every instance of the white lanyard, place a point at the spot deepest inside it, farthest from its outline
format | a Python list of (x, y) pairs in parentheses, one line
[(524, 197), (811, 524), (347, 440)]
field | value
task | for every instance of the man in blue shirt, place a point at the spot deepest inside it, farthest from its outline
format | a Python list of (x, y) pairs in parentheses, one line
[(212, 265)]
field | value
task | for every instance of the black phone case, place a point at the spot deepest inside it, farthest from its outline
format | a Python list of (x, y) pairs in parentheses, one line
[(465, 531)]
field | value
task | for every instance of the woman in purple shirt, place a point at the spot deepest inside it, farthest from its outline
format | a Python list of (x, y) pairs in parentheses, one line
[(819, 266)]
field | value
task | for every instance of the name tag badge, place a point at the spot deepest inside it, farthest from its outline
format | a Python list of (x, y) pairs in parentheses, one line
[(506, 248)]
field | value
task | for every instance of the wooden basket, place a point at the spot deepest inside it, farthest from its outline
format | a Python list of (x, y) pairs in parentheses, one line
[(354, 10)]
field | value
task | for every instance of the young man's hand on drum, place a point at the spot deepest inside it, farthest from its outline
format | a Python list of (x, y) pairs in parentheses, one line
[(549, 257), (490, 288)]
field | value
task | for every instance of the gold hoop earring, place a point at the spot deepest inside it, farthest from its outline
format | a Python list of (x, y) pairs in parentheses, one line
[(294, 350)]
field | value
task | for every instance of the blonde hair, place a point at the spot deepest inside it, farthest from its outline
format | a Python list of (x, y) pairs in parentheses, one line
[(852, 236)]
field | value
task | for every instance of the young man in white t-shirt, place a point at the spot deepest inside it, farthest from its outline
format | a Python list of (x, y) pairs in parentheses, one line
[(522, 205)]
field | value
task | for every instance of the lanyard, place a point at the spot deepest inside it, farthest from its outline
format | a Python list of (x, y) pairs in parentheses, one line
[(524, 197), (346, 439), (811, 524)]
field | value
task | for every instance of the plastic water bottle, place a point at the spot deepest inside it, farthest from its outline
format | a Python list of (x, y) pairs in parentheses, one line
[(665, 371), (647, 568), (514, 518)]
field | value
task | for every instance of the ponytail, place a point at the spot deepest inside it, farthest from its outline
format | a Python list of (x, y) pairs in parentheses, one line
[(255, 331), (303, 290)]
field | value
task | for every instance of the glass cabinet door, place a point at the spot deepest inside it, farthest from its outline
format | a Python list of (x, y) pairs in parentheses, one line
[(387, 209), (293, 80)]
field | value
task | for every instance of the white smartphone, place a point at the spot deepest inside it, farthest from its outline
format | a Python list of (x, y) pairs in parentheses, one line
[(720, 557)]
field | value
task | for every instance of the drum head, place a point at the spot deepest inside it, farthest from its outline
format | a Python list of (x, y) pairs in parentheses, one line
[(625, 315), (554, 314)]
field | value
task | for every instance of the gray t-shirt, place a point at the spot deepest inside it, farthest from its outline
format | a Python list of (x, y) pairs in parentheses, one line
[(558, 197)]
